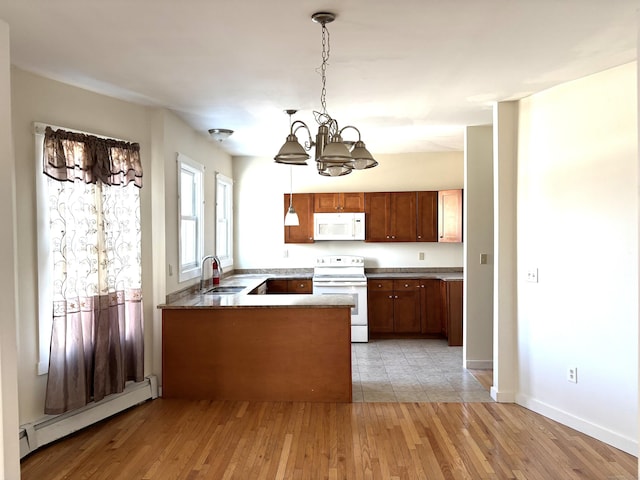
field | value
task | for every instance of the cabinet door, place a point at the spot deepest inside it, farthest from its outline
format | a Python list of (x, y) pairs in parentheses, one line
[(403, 217), (377, 212), (427, 217), (326, 203), (406, 307), (352, 202), (430, 301), (452, 311), (380, 306), (450, 216), (303, 285), (277, 286), (303, 205)]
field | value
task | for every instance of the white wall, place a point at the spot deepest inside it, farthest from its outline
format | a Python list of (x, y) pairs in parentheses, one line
[(478, 240), (577, 223), (199, 147), (9, 447), (260, 184)]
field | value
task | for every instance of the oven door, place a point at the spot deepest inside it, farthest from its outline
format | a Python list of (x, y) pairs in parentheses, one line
[(357, 290)]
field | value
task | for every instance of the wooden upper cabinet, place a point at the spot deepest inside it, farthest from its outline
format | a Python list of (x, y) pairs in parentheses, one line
[(391, 216), (377, 210), (450, 216), (303, 205), (338, 202), (427, 217)]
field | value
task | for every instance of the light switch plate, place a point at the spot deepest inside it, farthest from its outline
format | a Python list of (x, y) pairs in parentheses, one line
[(532, 275)]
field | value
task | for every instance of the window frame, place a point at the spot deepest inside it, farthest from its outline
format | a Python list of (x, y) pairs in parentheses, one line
[(224, 225), (191, 270)]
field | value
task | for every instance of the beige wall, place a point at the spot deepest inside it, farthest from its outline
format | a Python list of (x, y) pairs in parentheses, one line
[(260, 184), (9, 449), (161, 135), (577, 223)]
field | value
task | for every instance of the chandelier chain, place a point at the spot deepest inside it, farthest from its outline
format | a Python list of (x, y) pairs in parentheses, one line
[(326, 49)]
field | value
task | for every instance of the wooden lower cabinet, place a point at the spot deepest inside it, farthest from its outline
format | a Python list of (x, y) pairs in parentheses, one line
[(431, 307), (282, 285), (393, 306), (424, 308), (451, 298)]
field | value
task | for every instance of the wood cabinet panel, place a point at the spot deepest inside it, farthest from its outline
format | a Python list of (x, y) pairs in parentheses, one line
[(450, 216), (377, 211), (403, 217), (390, 216), (452, 311), (338, 202), (380, 306), (282, 285), (427, 217), (300, 286), (303, 205), (406, 307), (431, 310)]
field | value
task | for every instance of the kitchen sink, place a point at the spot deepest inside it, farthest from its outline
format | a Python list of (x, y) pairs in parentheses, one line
[(225, 289)]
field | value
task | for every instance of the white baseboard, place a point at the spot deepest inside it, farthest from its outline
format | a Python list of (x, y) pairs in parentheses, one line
[(479, 364), (502, 396), (626, 444), (54, 427)]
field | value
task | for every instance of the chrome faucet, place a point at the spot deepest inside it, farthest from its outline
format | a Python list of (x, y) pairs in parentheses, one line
[(208, 257)]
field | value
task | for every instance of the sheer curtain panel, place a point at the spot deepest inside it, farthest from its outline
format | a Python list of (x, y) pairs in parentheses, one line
[(94, 206)]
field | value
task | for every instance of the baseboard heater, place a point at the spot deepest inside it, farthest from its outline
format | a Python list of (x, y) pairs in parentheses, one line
[(51, 428)]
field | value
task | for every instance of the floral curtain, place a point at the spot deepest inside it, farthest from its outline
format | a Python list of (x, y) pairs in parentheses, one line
[(97, 335)]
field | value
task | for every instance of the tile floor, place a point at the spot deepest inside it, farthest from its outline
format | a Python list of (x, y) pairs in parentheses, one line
[(412, 371)]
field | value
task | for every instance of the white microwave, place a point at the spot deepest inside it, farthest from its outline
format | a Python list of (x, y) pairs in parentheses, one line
[(338, 226)]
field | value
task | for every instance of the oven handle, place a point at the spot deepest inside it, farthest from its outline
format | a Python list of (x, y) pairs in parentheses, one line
[(340, 284)]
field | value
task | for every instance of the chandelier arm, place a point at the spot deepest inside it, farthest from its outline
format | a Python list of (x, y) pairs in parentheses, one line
[(350, 126), (300, 124)]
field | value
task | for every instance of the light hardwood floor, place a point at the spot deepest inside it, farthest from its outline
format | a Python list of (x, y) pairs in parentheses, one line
[(374, 439), (179, 439)]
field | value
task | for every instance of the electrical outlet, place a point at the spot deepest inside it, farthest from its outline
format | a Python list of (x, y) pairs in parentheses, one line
[(421, 256), (532, 275), (170, 270), (285, 253), (483, 259), (572, 374)]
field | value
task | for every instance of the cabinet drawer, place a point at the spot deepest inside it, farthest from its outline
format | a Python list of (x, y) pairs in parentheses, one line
[(409, 284), (380, 284), (300, 286)]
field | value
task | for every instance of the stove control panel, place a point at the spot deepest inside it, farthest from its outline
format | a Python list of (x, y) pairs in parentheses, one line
[(338, 260)]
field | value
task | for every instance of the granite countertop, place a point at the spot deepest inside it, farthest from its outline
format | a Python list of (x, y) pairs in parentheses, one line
[(242, 299), (446, 276), (250, 281)]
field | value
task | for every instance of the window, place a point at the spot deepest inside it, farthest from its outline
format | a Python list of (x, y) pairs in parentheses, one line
[(190, 238), (224, 219)]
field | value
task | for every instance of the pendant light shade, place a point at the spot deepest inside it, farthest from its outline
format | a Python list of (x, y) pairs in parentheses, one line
[(291, 218), (362, 158), (292, 153)]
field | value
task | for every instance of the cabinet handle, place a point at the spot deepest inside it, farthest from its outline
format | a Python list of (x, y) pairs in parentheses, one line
[(419, 236), (396, 296), (387, 236), (390, 296), (302, 285), (406, 285)]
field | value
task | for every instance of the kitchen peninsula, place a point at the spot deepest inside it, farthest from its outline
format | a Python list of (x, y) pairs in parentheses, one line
[(257, 347)]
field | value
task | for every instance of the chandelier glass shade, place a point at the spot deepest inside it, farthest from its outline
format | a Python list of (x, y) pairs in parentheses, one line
[(334, 156)]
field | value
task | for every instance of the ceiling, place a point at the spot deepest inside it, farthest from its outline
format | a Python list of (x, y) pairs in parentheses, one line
[(410, 74)]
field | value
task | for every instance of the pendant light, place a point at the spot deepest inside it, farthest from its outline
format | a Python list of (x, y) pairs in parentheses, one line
[(291, 218), (332, 154)]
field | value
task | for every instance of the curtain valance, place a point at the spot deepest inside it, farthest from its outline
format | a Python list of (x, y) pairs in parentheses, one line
[(70, 156)]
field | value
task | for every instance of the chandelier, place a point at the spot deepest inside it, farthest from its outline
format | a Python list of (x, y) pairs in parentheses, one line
[(334, 156)]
